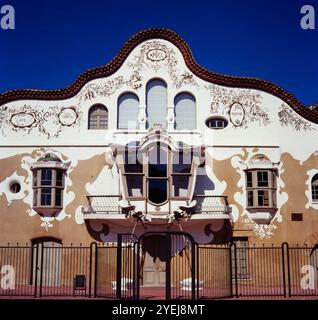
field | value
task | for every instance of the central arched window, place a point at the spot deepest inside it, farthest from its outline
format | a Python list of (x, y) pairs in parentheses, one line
[(156, 103), (98, 117), (184, 111), (128, 109), (157, 175)]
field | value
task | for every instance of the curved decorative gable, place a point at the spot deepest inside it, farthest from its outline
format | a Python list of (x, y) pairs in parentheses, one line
[(156, 54)]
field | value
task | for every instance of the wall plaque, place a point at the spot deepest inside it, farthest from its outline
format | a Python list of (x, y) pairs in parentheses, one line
[(237, 114)]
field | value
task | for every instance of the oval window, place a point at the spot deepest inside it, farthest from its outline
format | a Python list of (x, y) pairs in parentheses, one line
[(15, 187), (216, 123)]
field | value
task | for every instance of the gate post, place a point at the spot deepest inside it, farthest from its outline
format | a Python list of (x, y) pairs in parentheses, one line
[(168, 268), (286, 245), (198, 269), (138, 269), (41, 268), (93, 244), (193, 286), (35, 280), (118, 266), (234, 255)]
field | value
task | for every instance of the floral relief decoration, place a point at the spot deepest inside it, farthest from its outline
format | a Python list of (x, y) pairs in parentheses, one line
[(106, 88), (288, 117), (246, 101), (49, 121), (156, 55)]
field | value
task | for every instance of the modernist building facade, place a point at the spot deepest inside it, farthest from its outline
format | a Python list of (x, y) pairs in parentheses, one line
[(154, 142)]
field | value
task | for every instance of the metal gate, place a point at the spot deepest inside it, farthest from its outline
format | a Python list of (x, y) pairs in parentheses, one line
[(215, 271), (178, 254), (191, 271)]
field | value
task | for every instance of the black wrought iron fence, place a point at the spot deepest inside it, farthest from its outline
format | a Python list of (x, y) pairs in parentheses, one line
[(112, 271), (302, 271), (258, 271), (214, 281)]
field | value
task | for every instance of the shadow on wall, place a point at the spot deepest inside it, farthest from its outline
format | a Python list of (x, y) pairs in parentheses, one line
[(203, 182), (221, 236)]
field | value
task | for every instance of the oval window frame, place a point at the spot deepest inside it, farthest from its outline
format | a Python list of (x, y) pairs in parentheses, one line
[(216, 118)]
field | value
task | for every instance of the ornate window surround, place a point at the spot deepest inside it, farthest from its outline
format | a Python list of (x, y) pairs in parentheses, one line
[(261, 163), (52, 165)]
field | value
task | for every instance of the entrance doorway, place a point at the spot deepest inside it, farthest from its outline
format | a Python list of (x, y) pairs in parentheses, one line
[(153, 262), (166, 266)]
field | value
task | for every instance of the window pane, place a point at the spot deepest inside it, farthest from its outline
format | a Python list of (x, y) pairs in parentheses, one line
[(250, 199), (46, 177), (135, 185), (132, 165), (274, 199), (156, 103), (216, 123), (180, 185), (185, 111), (263, 198), (128, 110), (182, 162), (98, 117), (35, 197), (35, 179), (315, 192), (58, 197), (157, 191), (241, 258), (46, 194), (249, 179), (262, 178), (157, 166), (59, 178)]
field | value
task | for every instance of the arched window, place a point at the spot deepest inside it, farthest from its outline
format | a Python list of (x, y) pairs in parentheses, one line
[(314, 188), (98, 117), (156, 103), (184, 107), (128, 109)]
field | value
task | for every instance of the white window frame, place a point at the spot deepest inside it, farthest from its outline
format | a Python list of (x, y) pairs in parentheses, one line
[(255, 189)]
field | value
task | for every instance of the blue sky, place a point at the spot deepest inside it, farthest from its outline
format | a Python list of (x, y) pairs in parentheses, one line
[(56, 40)]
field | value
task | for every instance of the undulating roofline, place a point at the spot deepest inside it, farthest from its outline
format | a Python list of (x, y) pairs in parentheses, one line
[(210, 76)]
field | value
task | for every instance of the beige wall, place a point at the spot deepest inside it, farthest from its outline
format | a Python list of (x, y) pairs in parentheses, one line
[(18, 226)]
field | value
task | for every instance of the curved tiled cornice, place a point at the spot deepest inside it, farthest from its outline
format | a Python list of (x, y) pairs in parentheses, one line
[(114, 65)]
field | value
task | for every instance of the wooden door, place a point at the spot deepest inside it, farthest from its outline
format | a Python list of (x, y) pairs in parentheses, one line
[(154, 257)]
